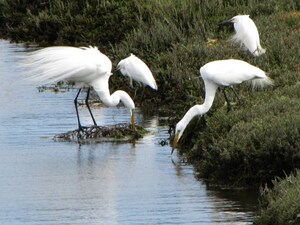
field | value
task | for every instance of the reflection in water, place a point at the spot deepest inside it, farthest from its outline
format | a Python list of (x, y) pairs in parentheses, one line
[(48, 182)]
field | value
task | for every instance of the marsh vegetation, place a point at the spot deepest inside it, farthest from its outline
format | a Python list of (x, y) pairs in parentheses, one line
[(248, 146)]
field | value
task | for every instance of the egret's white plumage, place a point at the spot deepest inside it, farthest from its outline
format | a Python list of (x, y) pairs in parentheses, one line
[(137, 70), (81, 65), (221, 73), (246, 34), (85, 66)]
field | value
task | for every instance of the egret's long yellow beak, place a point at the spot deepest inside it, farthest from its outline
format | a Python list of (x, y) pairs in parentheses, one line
[(175, 141), (132, 120)]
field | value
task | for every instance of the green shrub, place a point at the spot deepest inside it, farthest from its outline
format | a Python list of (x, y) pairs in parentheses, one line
[(68, 22), (280, 205)]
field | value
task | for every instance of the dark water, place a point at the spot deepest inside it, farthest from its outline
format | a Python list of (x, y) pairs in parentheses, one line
[(48, 182)]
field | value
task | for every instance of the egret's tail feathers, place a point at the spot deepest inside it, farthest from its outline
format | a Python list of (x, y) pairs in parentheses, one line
[(253, 48), (262, 82), (38, 73), (262, 50), (52, 64), (259, 51), (154, 85)]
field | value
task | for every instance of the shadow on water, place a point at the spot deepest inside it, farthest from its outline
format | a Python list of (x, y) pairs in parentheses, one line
[(48, 182)]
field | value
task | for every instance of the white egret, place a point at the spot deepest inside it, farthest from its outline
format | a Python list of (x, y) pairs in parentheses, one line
[(246, 34), (221, 73), (137, 70), (85, 66)]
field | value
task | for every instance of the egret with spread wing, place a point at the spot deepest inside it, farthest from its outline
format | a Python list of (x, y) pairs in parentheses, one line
[(137, 70), (246, 34), (84, 66), (221, 73)]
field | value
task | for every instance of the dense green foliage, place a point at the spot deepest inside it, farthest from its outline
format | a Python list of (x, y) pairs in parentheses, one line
[(247, 146), (67, 22), (281, 204)]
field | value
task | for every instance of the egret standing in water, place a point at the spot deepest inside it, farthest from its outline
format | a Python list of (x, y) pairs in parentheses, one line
[(221, 73), (137, 70), (246, 34), (84, 66)]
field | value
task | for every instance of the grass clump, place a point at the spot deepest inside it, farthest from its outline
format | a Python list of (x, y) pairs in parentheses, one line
[(113, 133), (280, 205)]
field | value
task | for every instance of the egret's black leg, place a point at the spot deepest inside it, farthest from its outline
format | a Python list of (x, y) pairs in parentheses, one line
[(143, 94), (88, 106), (76, 107), (227, 100), (135, 90), (237, 96)]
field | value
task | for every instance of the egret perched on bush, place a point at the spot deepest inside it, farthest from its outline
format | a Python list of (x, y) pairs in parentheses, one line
[(246, 34), (85, 66), (137, 70), (221, 73)]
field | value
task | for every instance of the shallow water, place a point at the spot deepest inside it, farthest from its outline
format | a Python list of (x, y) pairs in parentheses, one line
[(49, 182)]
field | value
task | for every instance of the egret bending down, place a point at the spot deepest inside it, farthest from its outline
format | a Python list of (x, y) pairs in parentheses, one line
[(137, 70), (221, 73), (246, 34), (84, 66)]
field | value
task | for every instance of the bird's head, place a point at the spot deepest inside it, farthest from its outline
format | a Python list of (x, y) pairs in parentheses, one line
[(235, 19), (226, 23), (119, 65), (180, 127), (123, 66), (196, 110)]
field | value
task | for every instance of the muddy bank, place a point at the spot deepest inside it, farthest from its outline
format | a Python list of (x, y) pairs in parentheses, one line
[(114, 133)]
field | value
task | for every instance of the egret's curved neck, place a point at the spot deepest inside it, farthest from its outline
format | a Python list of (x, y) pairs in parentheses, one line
[(117, 97), (102, 89), (210, 91)]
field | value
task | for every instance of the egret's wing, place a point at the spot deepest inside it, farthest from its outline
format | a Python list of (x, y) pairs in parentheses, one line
[(230, 72), (54, 64)]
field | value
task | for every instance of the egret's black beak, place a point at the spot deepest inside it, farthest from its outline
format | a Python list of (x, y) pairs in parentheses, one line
[(172, 151), (225, 23)]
